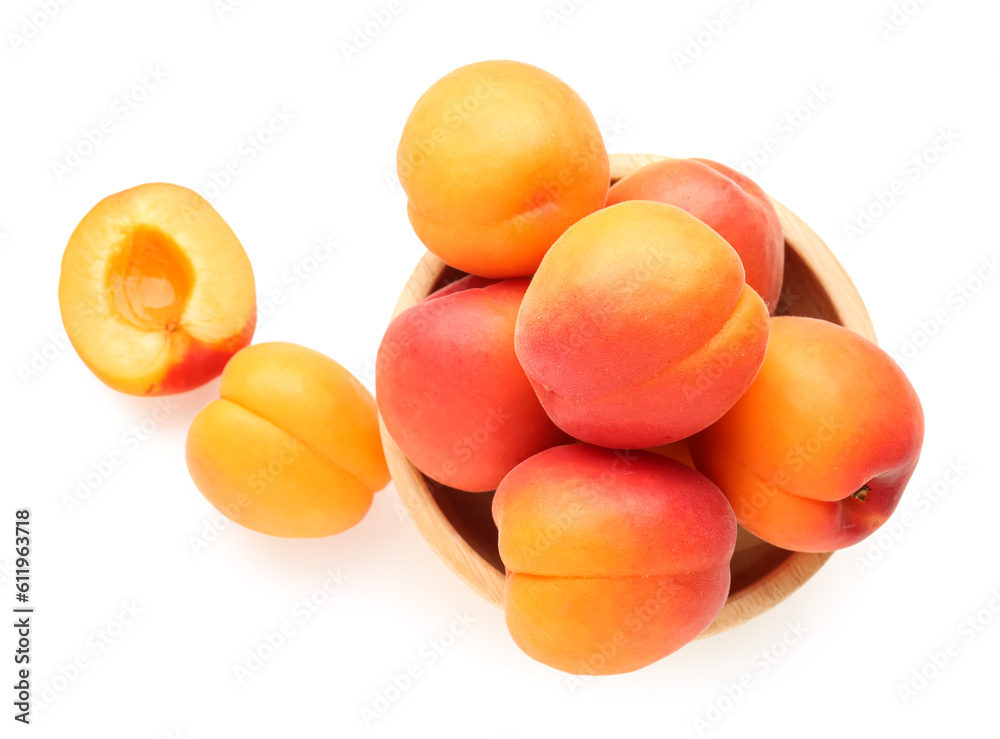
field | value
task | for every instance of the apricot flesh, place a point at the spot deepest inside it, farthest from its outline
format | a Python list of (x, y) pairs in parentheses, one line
[(614, 559), (291, 447), (815, 456), (497, 159), (156, 292)]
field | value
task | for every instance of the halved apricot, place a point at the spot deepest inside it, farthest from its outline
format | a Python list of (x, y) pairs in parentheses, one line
[(156, 292)]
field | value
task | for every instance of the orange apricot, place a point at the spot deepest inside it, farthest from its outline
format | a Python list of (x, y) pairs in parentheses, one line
[(450, 389), (815, 456), (497, 159), (291, 447), (638, 329), (614, 559), (732, 204)]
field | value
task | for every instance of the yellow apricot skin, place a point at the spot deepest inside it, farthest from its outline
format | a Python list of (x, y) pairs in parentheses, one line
[(497, 159), (291, 448)]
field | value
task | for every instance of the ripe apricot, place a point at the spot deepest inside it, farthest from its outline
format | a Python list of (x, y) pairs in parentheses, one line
[(451, 391), (638, 328), (817, 453), (497, 159), (614, 559), (291, 447), (731, 203)]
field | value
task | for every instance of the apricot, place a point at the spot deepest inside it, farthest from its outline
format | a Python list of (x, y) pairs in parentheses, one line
[(638, 329), (291, 447), (497, 159), (614, 559), (156, 292), (815, 456), (450, 389), (731, 203)]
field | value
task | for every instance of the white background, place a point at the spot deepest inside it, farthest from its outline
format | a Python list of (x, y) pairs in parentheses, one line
[(330, 173)]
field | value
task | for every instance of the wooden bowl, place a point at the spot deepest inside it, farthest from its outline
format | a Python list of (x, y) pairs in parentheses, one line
[(459, 525)]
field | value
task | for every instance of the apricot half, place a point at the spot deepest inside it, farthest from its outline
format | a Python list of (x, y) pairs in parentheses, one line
[(817, 453), (497, 159), (291, 447), (614, 559), (638, 328), (156, 292)]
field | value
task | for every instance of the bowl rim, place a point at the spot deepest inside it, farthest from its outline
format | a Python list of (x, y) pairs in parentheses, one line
[(447, 543)]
